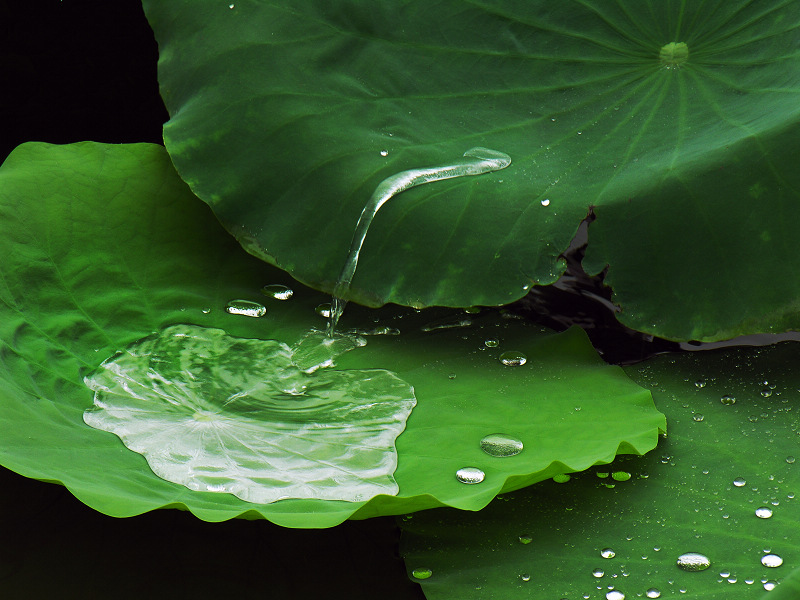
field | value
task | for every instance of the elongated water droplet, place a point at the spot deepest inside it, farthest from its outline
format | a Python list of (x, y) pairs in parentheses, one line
[(653, 593), (728, 400), (470, 475), (607, 553), (763, 512), (421, 573), (491, 343), (277, 291), (246, 308), (448, 323), (739, 482), (621, 475), (771, 560), (693, 561), (323, 310), (475, 161), (501, 445), (513, 358)]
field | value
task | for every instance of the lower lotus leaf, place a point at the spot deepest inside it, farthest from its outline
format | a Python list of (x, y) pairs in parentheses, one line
[(711, 514), (107, 252)]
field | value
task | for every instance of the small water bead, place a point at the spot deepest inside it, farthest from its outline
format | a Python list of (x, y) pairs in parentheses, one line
[(693, 561), (724, 574), (501, 445), (205, 311), (700, 383), (607, 553), (491, 343), (246, 308), (561, 478), (621, 476), (698, 417), (525, 539), (766, 392), (384, 153), (771, 560), (470, 475), (739, 482), (762, 512), (732, 579), (615, 595), (653, 593), (324, 310), (727, 400), (546, 202), (598, 573), (277, 291), (790, 459), (525, 577), (770, 585), (513, 358), (421, 573)]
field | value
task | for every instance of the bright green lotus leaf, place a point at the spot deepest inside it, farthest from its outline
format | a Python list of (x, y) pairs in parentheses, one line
[(677, 120), (722, 484), (105, 246)]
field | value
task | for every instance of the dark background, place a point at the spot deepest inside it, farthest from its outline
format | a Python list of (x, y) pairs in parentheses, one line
[(76, 70)]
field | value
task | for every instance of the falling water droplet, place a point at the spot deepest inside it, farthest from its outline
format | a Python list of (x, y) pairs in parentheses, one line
[(693, 561), (762, 512), (513, 358), (277, 291), (470, 475), (525, 539), (615, 595), (246, 308), (607, 553), (598, 573), (727, 400), (491, 343), (739, 482), (653, 593), (324, 310), (546, 202), (421, 573), (501, 445), (771, 560)]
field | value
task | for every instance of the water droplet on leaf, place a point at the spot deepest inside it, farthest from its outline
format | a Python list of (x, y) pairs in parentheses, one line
[(653, 593), (607, 553), (771, 560), (763, 512), (513, 358), (598, 573), (246, 308), (491, 343), (727, 400), (470, 475), (501, 445), (739, 482), (421, 573), (277, 291), (693, 561)]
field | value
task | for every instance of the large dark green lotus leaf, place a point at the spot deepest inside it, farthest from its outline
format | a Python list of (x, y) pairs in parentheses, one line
[(676, 120), (698, 492), (104, 245)]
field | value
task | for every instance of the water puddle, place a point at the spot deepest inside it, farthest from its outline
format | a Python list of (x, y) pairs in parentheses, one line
[(254, 418)]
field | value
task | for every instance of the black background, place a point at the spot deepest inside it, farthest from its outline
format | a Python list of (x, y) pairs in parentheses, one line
[(76, 70)]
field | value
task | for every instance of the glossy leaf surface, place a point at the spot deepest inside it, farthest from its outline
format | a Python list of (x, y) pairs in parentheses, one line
[(729, 456), (676, 120), (105, 245)]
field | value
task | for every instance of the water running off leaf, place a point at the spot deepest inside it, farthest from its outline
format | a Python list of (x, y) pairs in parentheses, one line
[(254, 418), (476, 161)]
